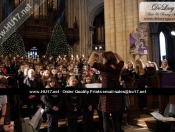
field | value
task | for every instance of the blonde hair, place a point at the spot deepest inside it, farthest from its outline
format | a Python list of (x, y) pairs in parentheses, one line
[(166, 62), (44, 75), (29, 72), (71, 78), (155, 65), (140, 70), (133, 67)]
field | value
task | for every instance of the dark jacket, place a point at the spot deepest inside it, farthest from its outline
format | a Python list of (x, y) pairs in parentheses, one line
[(51, 101), (90, 99), (1, 128), (71, 102), (142, 79), (31, 84)]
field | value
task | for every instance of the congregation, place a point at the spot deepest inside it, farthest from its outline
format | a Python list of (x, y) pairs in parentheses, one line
[(64, 72)]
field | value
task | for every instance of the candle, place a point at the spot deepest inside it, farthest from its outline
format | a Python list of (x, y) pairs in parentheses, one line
[(36, 12), (51, 3)]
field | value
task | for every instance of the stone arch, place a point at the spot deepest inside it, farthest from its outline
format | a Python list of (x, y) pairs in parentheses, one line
[(97, 10), (166, 28), (93, 13)]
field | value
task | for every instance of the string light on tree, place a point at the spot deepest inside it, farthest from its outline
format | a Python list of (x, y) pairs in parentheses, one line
[(13, 45), (58, 44)]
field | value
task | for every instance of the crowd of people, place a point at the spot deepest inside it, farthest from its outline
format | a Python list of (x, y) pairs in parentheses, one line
[(75, 72)]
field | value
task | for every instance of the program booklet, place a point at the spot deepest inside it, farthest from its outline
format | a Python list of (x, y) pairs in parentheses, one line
[(160, 117)]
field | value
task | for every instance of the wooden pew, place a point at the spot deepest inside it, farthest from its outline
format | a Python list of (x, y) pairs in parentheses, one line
[(166, 79)]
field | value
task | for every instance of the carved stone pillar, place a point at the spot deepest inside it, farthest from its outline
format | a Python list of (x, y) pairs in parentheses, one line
[(154, 43), (155, 48)]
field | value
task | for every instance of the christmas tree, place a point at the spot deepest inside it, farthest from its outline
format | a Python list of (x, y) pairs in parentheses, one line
[(58, 44), (13, 45)]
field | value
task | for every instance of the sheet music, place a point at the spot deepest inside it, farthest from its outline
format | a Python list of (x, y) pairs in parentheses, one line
[(93, 85), (158, 116), (36, 118), (28, 127)]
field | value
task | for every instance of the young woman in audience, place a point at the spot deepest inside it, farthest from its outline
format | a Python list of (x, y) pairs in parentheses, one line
[(164, 66), (59, 78), (46, 75), (141, 76), (130, 68), (52, 83)]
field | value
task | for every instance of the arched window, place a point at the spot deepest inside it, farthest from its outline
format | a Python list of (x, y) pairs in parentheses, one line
[(32, 52), (162, 46)]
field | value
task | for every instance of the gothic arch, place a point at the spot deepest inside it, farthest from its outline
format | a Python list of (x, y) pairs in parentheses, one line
[(166, 28), (97, 10)]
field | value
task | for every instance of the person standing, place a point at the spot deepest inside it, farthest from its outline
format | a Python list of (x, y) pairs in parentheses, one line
[(141, 76), (109, 104), (52, 103), (73, 106), (31, 82)]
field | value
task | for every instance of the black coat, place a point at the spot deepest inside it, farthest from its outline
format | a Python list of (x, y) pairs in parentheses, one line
[(28, 84), (51, 101), (90, 99), (72, 101), (1, 128)]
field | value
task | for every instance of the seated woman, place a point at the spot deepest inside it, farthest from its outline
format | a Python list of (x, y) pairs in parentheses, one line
[(164, 66)]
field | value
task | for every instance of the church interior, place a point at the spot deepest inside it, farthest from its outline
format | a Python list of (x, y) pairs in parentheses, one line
[(58, 38)]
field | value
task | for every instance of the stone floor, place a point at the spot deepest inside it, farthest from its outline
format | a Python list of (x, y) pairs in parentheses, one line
[(129, 128)]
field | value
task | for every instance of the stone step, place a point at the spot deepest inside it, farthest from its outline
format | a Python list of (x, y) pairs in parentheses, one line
[(145, 121)]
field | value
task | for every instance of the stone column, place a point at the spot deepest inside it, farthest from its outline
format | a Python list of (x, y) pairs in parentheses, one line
[(112, 24), (154, 37), (107, 25), (83, 27), (69, 12), (121, 18), (128, 27)]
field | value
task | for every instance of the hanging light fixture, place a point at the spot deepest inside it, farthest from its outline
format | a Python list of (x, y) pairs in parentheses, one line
[(173, 33)]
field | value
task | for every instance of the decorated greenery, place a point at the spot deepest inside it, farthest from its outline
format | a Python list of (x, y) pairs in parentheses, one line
[(58, 44), (13, 45)]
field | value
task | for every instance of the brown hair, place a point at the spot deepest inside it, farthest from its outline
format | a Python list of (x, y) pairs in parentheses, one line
[(155, 65), (110, 57), (51, 79), (3, 81), (133, 67)]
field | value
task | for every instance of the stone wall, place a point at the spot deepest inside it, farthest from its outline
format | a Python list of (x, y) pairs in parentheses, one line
[(121, 18), (84, 11)]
